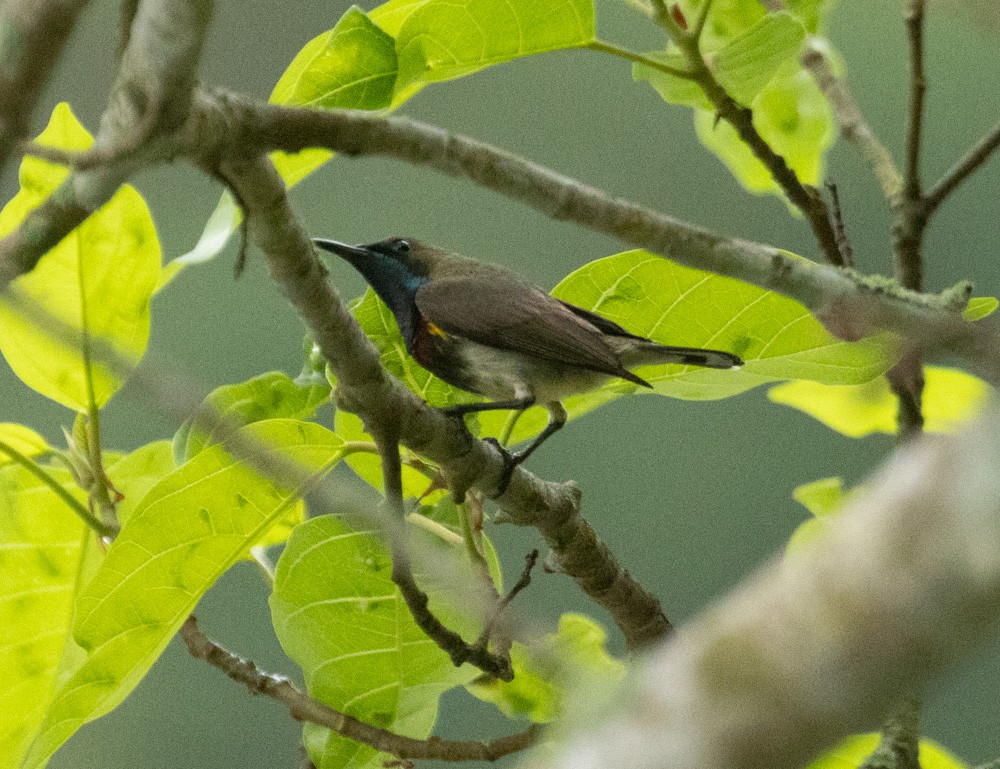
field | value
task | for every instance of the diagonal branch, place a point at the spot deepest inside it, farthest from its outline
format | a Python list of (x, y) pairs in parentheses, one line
[(33, 34), (149, 103), (853, 125), (905, 581), (804, 197), (364, 388), (417, 601), (962, 170), (302, 707)]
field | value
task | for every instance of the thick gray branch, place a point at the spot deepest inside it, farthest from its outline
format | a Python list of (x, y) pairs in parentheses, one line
[(387, 406), (825, 642)]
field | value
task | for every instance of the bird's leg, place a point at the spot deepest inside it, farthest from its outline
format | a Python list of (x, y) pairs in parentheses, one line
[(511, 460), (557, 418)]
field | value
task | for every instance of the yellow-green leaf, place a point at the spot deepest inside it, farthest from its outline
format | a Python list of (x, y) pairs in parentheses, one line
[(548, 674), (445, 39), (338, 614), (21, 439), (980, 306), (851, 752), (98, 280), (951, 398), (352, 66), (46, 554), (188, 529), (793, 116)]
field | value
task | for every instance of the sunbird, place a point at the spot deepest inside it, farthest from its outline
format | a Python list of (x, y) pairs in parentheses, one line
[(486, 330)]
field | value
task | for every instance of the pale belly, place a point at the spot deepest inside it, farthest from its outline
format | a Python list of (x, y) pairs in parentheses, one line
[(503, 375)]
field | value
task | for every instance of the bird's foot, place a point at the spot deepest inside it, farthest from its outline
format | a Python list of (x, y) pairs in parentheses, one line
[(510, 461)]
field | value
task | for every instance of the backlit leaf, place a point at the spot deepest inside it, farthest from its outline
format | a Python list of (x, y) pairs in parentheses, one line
[(951, 398), (98, 280), (187, 531), (338, 614)]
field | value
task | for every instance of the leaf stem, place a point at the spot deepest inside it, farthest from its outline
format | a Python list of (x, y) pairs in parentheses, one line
[(638, 58), (108, 530)]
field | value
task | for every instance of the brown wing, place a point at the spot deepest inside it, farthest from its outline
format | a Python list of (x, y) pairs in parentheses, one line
[(499, 312)]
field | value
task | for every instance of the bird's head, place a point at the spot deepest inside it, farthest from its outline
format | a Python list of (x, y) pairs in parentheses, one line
[(394, 267)]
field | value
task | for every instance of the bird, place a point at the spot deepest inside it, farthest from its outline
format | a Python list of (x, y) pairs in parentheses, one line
[(486, 330)]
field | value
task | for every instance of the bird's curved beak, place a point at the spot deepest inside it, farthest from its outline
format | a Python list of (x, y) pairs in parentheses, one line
[(348, 252)]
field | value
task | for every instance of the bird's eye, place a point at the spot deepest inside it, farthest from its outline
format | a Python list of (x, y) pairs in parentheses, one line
[(402, 246)]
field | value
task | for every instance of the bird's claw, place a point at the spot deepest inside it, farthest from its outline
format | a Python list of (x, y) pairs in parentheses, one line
[(510, 461)]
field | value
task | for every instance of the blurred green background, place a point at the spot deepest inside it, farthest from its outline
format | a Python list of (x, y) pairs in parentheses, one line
[(690, 496)]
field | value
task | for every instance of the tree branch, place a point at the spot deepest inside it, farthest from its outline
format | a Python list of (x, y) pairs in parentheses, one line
[(32, 35), (824, 642), (852, 123), (150, 101), (850, 304), (961, 171), (807, 199), (417, 601), (918, 88), (303, 708), (364, 388), (906, 378)]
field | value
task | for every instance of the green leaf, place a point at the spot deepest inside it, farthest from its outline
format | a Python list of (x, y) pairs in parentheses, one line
[(46, 553), (673, 90), (748, 63), (338, 614), (981, 306), (812, 13), (351, 66), (273, 395), (187, 531), (22, 440), (951, 399), (822, 498), (851, 752), (727, 19), (98, 280), (548, 675), (137, 473), (368, 466), (445, 39)]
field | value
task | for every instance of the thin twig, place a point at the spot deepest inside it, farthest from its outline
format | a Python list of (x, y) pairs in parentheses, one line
[(851, 121), (105, 529), (899, 746), (961, 171), (804, 197), (906, 378), (34, 34), (304, 708), (484, 638), (918, 88), (843, 243), (417, 601)]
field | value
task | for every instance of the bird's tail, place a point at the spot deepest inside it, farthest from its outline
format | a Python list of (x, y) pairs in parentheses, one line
[(652, 353)]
